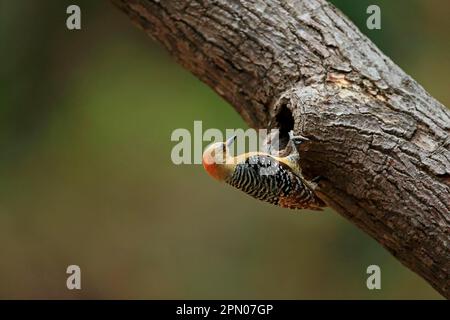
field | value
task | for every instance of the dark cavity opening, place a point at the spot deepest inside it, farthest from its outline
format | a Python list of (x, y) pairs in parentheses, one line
[(285, 123)]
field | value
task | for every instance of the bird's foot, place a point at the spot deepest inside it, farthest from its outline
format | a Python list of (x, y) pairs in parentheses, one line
[(298, 139), (317, 179)]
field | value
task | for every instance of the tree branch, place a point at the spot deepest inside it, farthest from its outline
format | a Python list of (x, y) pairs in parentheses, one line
[(379, 140)]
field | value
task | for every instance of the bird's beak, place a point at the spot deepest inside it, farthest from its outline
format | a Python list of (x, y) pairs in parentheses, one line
[(230, 141)]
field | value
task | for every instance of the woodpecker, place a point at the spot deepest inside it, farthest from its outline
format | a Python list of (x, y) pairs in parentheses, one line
[(264, 176)]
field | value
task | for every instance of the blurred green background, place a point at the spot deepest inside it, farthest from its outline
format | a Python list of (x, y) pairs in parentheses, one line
[(86, 176)]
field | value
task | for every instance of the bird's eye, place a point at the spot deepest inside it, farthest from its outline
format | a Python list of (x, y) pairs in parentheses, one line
[(224, 148)]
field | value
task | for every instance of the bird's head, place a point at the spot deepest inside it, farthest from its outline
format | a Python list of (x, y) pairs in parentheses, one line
[(217, 160)]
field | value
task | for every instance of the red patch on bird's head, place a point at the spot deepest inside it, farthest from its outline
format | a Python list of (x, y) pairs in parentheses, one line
[(210, 165), (214, 161)]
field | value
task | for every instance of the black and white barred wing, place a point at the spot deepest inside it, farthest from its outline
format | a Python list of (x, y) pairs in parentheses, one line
[(266, 179)]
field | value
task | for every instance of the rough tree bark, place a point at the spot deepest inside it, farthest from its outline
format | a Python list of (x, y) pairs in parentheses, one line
[(378, 139)]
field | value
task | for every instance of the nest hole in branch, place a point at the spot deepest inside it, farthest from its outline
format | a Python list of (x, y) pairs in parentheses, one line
[(285, 123)]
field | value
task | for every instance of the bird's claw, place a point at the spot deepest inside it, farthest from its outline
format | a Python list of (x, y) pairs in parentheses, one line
[(317, 179), (298, 139)]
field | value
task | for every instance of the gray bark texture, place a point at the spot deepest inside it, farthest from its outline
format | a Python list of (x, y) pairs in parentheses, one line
[(378, 139)]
